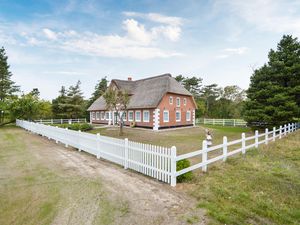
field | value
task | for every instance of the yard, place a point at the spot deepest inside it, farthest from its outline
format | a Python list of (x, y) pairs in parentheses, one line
[(185, 139), (43, 183)]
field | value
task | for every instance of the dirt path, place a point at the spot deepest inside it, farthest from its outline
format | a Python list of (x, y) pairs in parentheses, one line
[(149, 201)]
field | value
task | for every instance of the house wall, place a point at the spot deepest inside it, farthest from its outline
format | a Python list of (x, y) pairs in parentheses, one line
[(172, 108)]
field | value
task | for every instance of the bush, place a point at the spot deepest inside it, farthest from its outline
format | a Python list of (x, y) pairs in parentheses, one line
[(182, 164)]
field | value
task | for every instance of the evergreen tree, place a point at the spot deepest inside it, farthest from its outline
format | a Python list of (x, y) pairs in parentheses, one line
[(274, 92), (100, 88), (7, 86), (59, 104), (75, 106)]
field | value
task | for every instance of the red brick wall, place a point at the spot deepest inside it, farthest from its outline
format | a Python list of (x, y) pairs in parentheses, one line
[(165, 105)]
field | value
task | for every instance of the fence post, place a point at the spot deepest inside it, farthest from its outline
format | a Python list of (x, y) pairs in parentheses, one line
[(79, 141), (85, 120), (274, 133), (98, 145), (66, 143), (243, 143), (56, 141), (289, 128), (126, 154), (285, 129), (51, 121), (234, 122), (213, 121), (256, 139), (280, 132), (204, 155), (173, 166), (61, 121), (266, 136), (223, 122), (224, 148)]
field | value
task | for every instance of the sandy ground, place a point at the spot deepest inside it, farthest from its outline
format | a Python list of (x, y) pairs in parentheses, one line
[(149, 201)]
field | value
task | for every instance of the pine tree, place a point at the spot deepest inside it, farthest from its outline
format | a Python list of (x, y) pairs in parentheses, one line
[(100, 88), (7, 86), (274, 92), (75, 106)]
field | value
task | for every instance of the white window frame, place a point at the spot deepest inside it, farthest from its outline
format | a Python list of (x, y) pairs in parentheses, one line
[(178, 101), (178, 120), (138, 111), (124, 113), (186, 116), (97, 115), (144, 120), (168, 120), (102, 115), (130, 112), (106, 115), (184, 101), (171, 100), (93, 116)]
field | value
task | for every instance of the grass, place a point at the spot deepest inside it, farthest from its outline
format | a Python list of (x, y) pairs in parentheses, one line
[(262, 187), (32, 193), (185, 139)]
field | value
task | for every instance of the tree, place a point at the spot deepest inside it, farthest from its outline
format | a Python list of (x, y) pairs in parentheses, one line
[(117, 101), (192, 84), (210, 93), (75, 106), (274, 92), (100, 89), (7, 86), (59, 104)]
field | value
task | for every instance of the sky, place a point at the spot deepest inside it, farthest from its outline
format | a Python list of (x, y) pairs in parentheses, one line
[(54, 43)]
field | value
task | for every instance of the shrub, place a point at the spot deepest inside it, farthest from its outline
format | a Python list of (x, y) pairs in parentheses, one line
[(182, 164)]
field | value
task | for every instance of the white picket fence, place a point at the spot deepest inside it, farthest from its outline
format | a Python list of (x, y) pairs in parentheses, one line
[(151, 160), (240, 144), (154, 161), (221, 122), (61, 121)]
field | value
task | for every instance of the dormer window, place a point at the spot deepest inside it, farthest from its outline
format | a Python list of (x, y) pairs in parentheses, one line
[(178, 102), (171, 100)]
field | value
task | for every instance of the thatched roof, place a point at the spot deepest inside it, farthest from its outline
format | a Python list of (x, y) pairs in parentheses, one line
[(144, 93)]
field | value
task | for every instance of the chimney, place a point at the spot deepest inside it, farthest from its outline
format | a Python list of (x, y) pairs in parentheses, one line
[(129, 78)]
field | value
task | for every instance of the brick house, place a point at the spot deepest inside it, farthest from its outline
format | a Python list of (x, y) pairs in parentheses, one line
[(155, 102)]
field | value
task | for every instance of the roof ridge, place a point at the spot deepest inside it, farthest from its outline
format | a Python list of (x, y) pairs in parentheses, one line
[(148, 78)]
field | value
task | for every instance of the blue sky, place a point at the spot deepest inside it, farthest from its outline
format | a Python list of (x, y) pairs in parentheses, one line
[(53, 43)]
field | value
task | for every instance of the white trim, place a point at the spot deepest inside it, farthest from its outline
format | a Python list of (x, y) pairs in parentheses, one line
[(178, 111), (93, 116), (166, 121), (128, 117), (184, 101), (171, 100), (178, 102), (102, 115), (98, 115), (124, 113), (138, 111), (186, 117), (147, 121), (156, 115), (107, 115)]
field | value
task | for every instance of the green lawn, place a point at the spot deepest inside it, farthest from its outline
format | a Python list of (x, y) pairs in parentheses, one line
[(33, 193), (262, 187), (185, 139)]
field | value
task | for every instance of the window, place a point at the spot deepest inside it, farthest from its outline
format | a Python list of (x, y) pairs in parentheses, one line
[(146, 116), (178, 102), (171, 100), (97, 115), (178, 116), (138, 116), (93, 115), (124, 116), (107, 115), (166, 116), (188, 115), (130, 116), (102, 116), (184, 101)]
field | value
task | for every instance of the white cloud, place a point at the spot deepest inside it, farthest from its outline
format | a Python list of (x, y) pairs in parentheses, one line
[(155, 17), (227, 52), (50, 34), (269, 15)]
